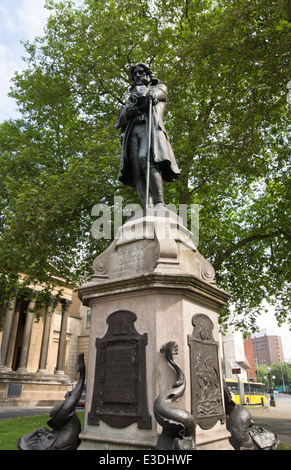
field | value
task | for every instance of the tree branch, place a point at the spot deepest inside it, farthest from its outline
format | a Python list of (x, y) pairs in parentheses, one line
[(235, 246)]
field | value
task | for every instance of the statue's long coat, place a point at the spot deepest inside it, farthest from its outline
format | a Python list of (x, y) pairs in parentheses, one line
[(161, 149)]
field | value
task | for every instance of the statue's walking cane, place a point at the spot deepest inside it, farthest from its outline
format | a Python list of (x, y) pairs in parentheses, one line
[(149, 149)]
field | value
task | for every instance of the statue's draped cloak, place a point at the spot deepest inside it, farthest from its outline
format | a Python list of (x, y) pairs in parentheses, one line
[(161, 150)]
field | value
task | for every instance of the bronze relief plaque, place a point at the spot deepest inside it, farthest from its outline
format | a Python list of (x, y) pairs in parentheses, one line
[(120, 392), (206, 393)]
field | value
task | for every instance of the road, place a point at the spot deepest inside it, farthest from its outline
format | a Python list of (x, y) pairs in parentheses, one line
[(9, 412)]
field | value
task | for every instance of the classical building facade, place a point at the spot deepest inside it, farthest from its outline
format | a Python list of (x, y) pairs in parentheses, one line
[(38, 352)]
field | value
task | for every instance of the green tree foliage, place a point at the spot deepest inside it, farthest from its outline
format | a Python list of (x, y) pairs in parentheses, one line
[(281, 372), (226, 65)]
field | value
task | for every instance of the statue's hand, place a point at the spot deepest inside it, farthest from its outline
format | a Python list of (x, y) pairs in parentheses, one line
[(151, 95), (132, 112), (139, 92)]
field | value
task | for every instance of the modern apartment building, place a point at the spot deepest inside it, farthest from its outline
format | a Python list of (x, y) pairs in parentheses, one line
[(267, 347)]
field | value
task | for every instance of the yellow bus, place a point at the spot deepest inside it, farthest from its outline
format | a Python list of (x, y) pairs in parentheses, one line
[(253, 393)]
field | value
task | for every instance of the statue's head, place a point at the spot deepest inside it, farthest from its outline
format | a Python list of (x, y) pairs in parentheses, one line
[(64, 422), (263, 439), (141, 74), (245, 435), (45, 439), (41, 439)]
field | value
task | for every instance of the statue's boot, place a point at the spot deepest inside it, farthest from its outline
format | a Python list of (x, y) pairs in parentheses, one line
[(156, 189), (156, 186), (141, 191)]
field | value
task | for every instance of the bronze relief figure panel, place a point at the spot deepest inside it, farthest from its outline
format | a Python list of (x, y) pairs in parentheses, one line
[(120, 392), (206, 393)]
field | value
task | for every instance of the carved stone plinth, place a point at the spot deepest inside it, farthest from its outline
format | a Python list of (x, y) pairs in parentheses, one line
[(152, 271)]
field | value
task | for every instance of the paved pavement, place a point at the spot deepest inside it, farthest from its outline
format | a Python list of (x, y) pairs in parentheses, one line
[(276, 419)]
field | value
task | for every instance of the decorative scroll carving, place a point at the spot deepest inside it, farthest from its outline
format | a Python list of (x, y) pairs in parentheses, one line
[(120, 392), (208, 273), (207, 404)]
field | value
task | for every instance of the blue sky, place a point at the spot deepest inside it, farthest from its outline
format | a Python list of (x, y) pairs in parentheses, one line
[(22, 20)]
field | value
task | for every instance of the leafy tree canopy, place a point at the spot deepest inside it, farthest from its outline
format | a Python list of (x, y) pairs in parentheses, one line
[(226, 65)]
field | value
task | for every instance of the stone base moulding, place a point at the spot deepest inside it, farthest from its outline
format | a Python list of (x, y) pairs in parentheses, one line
[(25, 389)]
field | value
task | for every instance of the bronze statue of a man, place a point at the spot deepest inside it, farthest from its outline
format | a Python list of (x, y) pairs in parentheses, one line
[(133, 121)]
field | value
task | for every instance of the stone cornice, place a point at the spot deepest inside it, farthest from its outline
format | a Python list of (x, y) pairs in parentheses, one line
[(188, 285)]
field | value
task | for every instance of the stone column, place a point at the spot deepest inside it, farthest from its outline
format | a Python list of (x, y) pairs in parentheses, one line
[(62, 339), (13, 335), (45, 337), (6, 334), (26, 338)]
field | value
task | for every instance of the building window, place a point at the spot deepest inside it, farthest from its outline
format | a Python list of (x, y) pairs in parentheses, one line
[(88, 320)]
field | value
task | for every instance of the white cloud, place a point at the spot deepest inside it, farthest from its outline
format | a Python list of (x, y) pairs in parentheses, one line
[(30, 18), (6, 19), (24, 19)]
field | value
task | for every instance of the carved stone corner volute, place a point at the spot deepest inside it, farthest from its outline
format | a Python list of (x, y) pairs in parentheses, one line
[(208, 273), (100, 265)]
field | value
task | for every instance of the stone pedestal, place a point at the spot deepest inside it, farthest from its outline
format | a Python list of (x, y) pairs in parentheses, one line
[(151, 286)]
